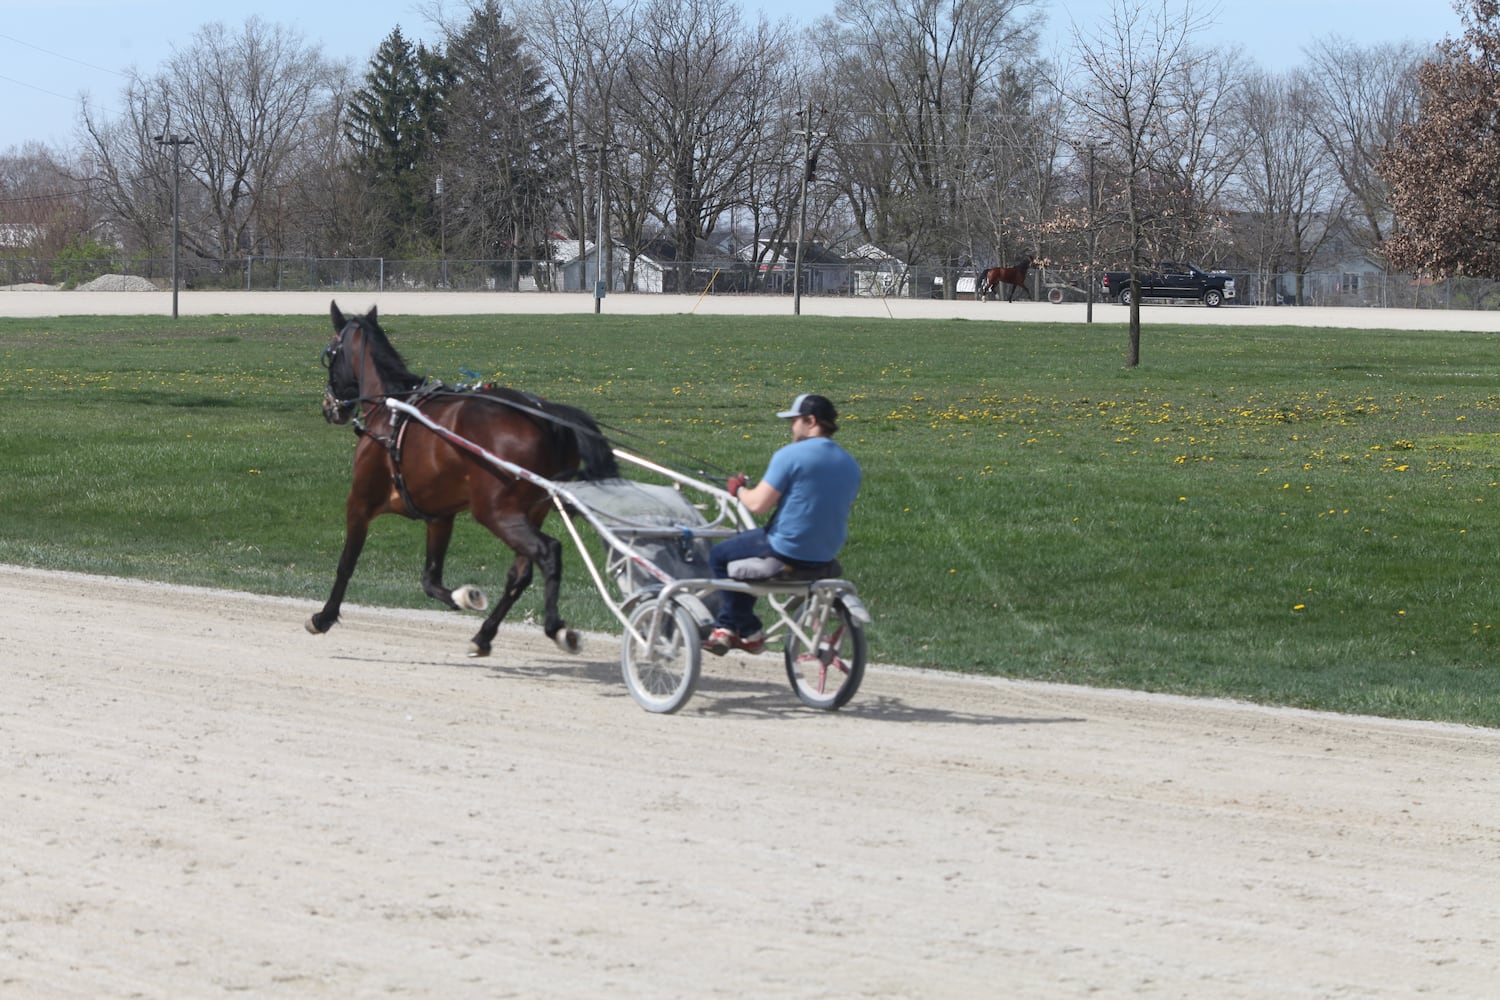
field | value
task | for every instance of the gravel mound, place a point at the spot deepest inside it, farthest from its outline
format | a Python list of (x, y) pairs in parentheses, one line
[(119, 283)]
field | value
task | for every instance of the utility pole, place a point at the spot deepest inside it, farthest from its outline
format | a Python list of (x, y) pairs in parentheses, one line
[(176, 142), (807, 175)]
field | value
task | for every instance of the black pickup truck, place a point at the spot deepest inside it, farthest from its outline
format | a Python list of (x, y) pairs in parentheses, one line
[(1172, 280)]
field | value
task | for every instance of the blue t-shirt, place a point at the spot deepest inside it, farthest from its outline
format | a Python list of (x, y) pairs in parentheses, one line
[(817, 480)]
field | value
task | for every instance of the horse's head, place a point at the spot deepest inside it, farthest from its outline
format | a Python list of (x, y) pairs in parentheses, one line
[(362, 366), (341, 394)]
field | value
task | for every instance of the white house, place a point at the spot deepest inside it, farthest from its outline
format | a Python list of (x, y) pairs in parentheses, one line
[(580, 273), (877, 273)]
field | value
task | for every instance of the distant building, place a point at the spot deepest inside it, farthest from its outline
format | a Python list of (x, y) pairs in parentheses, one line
[(874, 272), (580, 272), (20, 235)]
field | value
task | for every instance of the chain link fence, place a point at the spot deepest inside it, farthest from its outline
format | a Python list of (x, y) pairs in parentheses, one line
[(884, 279)]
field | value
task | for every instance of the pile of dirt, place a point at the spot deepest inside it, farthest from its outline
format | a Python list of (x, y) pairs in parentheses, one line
[(119, 283)]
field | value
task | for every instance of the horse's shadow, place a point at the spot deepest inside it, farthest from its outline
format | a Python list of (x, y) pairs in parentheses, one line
[(766, 698), (730, 689), (733, 691)]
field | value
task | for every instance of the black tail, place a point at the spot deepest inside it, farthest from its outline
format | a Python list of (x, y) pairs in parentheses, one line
[(596, 455)]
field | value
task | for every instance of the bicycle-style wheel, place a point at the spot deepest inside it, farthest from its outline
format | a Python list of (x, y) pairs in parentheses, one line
[(661, 678), (827, 675)]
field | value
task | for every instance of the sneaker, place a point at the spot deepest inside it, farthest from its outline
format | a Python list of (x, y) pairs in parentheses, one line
[(720, 641), (751, 644)]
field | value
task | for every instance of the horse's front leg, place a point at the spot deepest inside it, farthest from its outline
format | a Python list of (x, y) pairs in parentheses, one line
[(439, 533), (354, 543)]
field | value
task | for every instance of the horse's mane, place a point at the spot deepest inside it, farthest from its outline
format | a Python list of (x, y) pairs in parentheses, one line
[(394, 374)]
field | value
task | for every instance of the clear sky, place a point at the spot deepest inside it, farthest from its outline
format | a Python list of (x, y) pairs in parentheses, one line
[(51, 51)]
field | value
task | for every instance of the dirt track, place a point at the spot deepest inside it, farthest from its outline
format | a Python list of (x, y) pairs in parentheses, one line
[(198, 799), (201, 799), (314, 305)]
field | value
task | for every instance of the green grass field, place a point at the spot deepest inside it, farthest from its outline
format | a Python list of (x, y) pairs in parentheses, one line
[(1291, 516)]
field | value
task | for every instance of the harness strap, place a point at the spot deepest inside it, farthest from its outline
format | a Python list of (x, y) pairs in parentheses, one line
[(392, 444)]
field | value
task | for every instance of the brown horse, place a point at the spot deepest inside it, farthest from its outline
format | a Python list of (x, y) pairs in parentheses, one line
[(402, 467), (1014, 276)]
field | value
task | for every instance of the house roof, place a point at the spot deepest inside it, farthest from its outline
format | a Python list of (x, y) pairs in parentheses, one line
[(566, 252), (872, 254)]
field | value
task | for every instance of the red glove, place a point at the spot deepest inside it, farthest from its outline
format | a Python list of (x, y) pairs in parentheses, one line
[(736, 483)]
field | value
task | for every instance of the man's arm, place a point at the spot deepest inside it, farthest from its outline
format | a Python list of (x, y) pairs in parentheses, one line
[(760, 498)]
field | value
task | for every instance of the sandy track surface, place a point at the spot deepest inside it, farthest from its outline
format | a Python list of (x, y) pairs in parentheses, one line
[(199, 799), (1106, 316)]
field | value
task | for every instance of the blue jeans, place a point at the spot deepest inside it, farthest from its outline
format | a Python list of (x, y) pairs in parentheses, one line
[(737, 611)]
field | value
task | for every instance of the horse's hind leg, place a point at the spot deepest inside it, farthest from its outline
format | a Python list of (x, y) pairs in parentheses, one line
[(533, 548), (551, 563), (517, 579)]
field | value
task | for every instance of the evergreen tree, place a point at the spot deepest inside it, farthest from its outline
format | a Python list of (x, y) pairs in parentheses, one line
[(394, 125), (505, 146)]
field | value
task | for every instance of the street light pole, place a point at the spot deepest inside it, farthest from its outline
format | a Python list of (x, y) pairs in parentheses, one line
[(599, 265), (442, 228), (176, 142), (1093, 237)]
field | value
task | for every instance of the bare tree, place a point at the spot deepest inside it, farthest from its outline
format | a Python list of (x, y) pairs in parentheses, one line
[(325, 214), (581, 46), (1364, 97), (1202, 156), (127, 170), (245, 97), (1021, 177), (45, 204), (1128, 67), (692, 100), (1289, 187), (922, 78)]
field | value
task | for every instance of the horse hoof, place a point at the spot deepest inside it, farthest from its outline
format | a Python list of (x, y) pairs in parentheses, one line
[(471, 598), (312, 626), (476, 651), (570, 641)]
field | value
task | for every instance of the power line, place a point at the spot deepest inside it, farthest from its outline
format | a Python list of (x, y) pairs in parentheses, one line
[(57, 55), (42, 199), (32, 86)]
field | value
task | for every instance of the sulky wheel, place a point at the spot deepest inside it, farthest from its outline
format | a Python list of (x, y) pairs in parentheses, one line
[(661, 677), (827, 675)]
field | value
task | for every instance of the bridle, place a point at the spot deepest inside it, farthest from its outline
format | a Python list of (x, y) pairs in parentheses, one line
[(336, 410)]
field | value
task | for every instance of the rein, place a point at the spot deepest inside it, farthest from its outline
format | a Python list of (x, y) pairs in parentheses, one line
[(528, 404)]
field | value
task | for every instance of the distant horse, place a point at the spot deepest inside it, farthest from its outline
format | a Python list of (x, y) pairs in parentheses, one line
[(1014, 276), (402, 467)]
